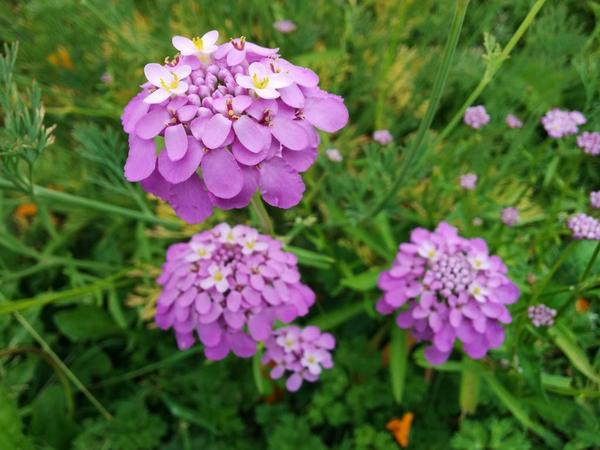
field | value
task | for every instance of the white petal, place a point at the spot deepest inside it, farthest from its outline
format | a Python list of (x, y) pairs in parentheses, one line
[(209, 39), (279, 80), (154, 72), (184, 45), (158, 96), (267, 93), (182, 71), (259, 70), (244, 81), (180, 89), (208, 49)]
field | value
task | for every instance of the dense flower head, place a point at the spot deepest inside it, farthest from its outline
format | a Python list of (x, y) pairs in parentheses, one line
[(383, 137), (559, 123), (476, 116), (299, 353), (589, 142), (227, 286), (583, 226), (284, 26), (541, 315), (227, 120), (510, 216), (513, 121), (333, 154), (468, 181), (448, 288), (595, 199)]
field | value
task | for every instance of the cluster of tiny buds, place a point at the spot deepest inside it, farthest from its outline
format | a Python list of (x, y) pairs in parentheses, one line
[(541, 315)]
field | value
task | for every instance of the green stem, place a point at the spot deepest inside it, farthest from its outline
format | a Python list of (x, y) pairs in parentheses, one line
[(436, 94), (78, 384), (491, 70), (263, 216), (71, 199), (590, 264)]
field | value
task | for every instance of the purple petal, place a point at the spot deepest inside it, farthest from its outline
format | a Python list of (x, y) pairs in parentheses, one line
[(281, 186), (327, 113), (242, 345), (190, 200), (218, 352), (435, 356), (289, 133), (176, 142), (210, 334), (216, 131), (300, 160), (187, 113), (293, 383), (251, 134), (132, 113), (150, 125), (292, 96), (245, 156), (260, 326), (155, 184), (222, 174), (141, 160), (242, 199), (179, 171)]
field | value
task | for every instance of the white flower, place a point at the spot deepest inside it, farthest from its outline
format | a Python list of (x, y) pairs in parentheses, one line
[(289, 341), (479, 261), (312, 361), (334, 155), (263, 82), (199, 251), (167, 80), (428, 250), (250, 244), (217, 278), (478, 291), (228, 235), (199, 46)]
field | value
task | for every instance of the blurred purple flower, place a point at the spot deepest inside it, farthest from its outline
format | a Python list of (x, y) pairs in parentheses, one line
[(541, 315), (333, 154), (299, 353), (227, 286), (476, 116), (106, 78), (583, 226), (510, 216), (382, 136), (234, 118), (589, 142), (559, 123), (284, 26), (468, 181), (513, 121), (595, 199), (449, 288)]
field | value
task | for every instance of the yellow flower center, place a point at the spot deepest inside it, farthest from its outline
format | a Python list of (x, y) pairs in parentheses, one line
[(311, 359), (198, 43), (218, 276), (260, 84), (431, 253), (476, 290), (289, 342), (202, 252), (172, 85), (250, 245)]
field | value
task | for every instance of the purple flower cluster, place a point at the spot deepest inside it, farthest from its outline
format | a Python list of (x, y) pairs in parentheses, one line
[(449, 288), (228, 286), (510, 216), (513, 121), (559, 123), (583, 226), (300, 353), (476, 116), (541, 315), (589, 142), (595, 199), (230, 119), (383, 137), (468, 181)]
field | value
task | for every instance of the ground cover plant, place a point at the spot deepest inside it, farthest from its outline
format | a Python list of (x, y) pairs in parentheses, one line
[(299, 225)]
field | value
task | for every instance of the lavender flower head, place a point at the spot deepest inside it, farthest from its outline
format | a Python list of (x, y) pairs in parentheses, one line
[(589, 142), (583, 226), (476, 116), (234, 118), (299, 353), (448, 288), (333, 154), (595, 199), (284, 26), (383, 137), (468, 181), (513, 121), (227, 286), (559, 123), (541, 315), (510, 216)]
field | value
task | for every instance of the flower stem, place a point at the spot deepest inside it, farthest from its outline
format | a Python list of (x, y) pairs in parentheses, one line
[(262, 215), (491, 70), (436, 94)]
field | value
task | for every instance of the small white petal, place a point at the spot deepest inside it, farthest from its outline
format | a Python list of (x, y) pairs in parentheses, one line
[(158, 96), (210, 38), (267, 93), (184, 45)]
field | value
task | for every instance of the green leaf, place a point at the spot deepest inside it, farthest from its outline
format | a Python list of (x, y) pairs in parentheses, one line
[(187, 414), (259, 380), (398, 362), (469, 389), (364, 281), (566, 342), (449, 366), (309, 258), (85, 322), (334, 318), (11, 432)]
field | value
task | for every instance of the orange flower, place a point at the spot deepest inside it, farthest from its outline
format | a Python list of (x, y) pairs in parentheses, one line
[(400, 428), (61, 58), (582, 305), (25, 211)]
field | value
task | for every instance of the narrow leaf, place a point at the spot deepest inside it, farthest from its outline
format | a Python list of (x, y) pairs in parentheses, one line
[(566, 342), (398, 362)]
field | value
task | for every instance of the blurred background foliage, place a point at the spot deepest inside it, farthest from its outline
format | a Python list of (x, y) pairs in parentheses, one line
[(80, 363)]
